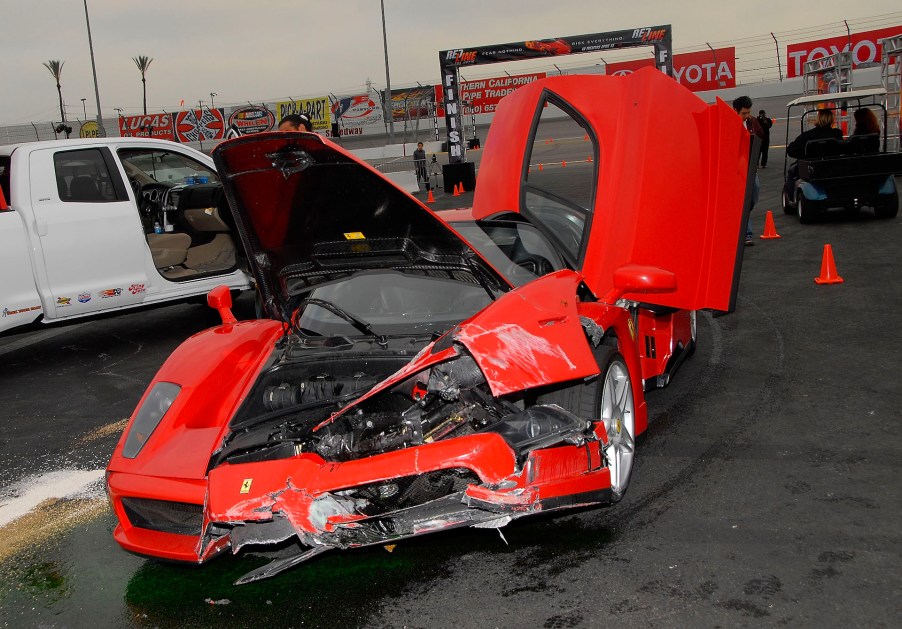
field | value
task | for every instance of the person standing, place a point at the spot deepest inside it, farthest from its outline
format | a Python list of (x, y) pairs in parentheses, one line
[(419, 163), (743, 107), (765, 123)]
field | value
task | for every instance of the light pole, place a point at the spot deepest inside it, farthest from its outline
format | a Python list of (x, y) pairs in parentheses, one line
[(388, 103), (100, 130), (212, 94), (84, 108)]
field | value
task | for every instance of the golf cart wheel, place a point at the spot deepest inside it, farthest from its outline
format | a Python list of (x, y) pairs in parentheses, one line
[(807, 210), (787, 207), (887, 207)]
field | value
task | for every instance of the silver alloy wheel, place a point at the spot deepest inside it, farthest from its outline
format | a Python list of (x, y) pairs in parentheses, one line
[(618, 415)]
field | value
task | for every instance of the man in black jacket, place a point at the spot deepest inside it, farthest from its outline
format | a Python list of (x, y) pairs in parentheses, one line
[(765, 123)]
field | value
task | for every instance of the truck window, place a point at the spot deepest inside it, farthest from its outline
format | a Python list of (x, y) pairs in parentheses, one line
[(83, 176)]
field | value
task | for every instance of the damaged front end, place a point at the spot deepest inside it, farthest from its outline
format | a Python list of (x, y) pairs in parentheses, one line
[(429, 448)]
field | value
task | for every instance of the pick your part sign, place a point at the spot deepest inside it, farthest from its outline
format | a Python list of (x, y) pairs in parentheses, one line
[(317, 109)]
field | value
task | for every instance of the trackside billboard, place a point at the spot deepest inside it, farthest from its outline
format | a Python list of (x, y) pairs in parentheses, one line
[(697, 71), (865, 49)]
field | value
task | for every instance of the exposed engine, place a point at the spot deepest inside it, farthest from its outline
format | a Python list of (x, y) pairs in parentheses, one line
[(290, 407)]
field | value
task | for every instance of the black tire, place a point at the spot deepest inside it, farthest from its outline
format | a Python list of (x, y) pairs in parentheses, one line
[(787, 207), (807, 210), (888, 207), (591, 400)]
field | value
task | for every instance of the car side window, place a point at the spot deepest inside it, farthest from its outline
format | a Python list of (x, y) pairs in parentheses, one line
[(83, 176), (558, 190)]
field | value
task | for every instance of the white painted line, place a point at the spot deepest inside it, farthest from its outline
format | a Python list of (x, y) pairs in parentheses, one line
[(21, 498)]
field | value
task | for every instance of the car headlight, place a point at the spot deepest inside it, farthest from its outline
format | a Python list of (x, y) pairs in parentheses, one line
[(149, 416)]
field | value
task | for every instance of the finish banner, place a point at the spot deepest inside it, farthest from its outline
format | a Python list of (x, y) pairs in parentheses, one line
[(482, 96), (538, 48), (865, 48), (157, 126), (697, 71), (317, 109)]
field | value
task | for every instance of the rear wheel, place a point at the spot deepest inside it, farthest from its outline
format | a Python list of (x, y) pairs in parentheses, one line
[(888, 206), (787, 207), (807, 210)]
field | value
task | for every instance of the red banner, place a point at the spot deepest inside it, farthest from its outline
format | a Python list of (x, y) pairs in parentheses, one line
[(483, 94), (865, 48), (197, 125), (157, 126), (698, 71)]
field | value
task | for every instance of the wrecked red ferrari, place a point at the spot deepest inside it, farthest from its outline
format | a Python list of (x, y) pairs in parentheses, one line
[(401, 384)]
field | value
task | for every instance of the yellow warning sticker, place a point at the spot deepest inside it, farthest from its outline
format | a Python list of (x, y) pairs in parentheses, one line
[(632, 328), (246, 485), (354, 236)]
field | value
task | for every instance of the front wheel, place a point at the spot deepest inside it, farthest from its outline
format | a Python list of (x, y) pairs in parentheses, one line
[(617, 411)]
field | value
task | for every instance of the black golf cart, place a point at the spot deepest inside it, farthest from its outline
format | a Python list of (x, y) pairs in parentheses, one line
[(848, 173)]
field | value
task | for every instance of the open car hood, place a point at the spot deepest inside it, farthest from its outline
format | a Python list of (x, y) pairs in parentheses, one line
[(673, 180), (309, 212)]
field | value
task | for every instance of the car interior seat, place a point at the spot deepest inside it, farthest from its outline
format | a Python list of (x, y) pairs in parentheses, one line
[(84, 188), (828, 147)]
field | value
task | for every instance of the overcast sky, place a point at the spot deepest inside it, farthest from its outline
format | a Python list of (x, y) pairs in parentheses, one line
[(265, 51)]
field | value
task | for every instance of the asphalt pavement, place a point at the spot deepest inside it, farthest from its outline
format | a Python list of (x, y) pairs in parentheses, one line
[(766, 491)]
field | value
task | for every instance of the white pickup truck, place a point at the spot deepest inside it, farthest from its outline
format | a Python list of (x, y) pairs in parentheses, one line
[(94, 226)]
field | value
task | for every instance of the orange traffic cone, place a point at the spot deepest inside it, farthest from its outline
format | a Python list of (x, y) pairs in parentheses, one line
[(540, 167), (770, 231), (456, 191), (564, 164), (586, 138), (590, 159), (828, 269), (430, 198)]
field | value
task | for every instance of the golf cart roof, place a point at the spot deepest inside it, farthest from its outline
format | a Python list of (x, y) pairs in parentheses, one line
[(826, 98)]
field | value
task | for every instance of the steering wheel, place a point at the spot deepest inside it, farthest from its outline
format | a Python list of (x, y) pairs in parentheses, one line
[(149, 199), (537, 265)]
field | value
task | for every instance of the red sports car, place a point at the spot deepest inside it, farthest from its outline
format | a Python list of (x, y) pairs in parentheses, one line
[(401, 385), (549, 46)]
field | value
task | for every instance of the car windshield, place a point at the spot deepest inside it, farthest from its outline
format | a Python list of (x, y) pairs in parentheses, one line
[(393, 303), (162, 166)]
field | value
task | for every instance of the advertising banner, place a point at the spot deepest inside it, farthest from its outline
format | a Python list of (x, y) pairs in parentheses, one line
[(317, 109), (483, 94), (252, 119), (197, 125), (538, 48), (157, 126), (89, 129), (660, 38), (354, 113), (410, 103), (865, 48), (697, 71)]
